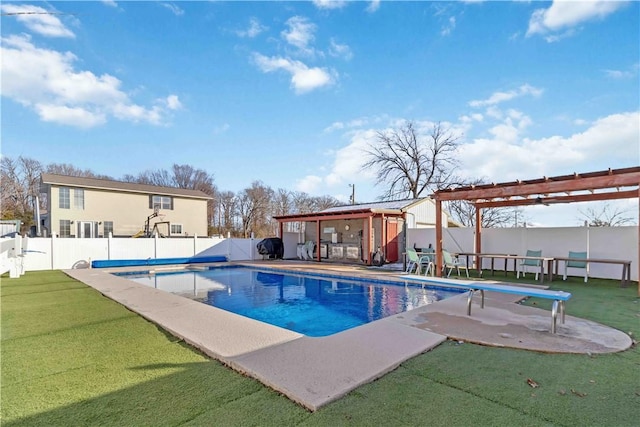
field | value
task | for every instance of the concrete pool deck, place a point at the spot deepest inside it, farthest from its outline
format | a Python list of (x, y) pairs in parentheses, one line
[(316, 371)]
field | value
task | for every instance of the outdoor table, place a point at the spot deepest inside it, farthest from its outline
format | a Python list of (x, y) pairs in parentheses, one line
[(626, 266), (515, 258), (479, 264)]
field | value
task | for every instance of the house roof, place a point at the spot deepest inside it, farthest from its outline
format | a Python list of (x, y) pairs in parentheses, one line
[(127, 187), (395, 207)]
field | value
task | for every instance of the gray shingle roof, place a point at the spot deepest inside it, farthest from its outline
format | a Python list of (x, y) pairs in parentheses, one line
[(128, 187), (386, 205)]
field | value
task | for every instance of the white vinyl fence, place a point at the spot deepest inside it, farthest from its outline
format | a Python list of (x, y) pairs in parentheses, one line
[(599, 242), (53, 253)]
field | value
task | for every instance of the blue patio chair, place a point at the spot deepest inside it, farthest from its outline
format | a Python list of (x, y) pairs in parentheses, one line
[(577, 264), (534, 263)]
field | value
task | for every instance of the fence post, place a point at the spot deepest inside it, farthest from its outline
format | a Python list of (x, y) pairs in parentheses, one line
[(195, 237), (155, 245), (53, 237), (109, 241)]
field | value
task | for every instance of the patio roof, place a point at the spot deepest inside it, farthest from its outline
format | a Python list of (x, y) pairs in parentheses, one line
[(363, 210), (578, 187), (608, 184)]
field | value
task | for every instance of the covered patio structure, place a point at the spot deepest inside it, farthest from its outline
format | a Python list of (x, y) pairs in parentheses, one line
[(370, 226), (611, 184)]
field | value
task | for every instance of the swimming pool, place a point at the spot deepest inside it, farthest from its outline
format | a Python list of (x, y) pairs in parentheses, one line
[(313, 305)]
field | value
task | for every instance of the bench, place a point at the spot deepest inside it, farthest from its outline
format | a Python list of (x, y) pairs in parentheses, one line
[(558, 297), (626, 266)]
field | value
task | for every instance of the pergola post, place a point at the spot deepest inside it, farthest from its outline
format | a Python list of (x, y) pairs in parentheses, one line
[(438, 238), (478, 236), (318, 258)]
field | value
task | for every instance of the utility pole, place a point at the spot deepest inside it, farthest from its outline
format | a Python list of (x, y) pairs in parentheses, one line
[(352, 199)]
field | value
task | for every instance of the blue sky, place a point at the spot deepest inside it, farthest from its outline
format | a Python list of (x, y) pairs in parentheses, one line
[(290, 93)]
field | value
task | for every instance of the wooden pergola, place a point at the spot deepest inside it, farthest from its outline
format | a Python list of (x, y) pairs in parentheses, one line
[(610, 184)]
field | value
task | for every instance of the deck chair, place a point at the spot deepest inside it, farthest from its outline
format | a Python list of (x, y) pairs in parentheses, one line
[(534, 263), (309, 246), (577, 264), (415, 262), (450, 263)]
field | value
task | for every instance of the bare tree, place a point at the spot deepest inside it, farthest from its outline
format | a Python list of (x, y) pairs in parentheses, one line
[(253, 209), (321, 203), (20, 183), (226, 212), (464, 212), (411, 163), (606, 217), (70, 170)]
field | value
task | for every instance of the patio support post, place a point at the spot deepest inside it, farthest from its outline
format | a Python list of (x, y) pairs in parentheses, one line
[(438, 238), (370, 238), (478, 248), (383, 238), (318, 240)]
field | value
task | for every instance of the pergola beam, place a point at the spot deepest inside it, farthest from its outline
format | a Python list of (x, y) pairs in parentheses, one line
[(629, 177), (630, 194)]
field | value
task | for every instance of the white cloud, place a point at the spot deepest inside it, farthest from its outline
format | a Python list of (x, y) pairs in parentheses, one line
[(449, 27), (329, 4), (173, 103), (624, 74), (71, 116), (299, 33), (358, 123), (303, 78), (499, 97), (348, 161), (254, 29), (37, 19), (607, 142), (309, 184), (373, 6), (45, 81), (340, 50), (221, 129), (334, 127), (564, 15), (111, 3), (175, 9)]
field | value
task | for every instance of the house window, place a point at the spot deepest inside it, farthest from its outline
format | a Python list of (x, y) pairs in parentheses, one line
[(161, 202), (64, 201), (108, 228), (65, 227), (78, 198), (176, 228)]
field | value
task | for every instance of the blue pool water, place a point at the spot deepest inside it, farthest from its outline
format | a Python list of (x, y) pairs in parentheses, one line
[(309, 304)]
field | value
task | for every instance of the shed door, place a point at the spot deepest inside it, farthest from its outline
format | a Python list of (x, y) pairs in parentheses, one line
[(392, 241)]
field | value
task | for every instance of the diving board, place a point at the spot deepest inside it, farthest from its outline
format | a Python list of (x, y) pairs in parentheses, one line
[(558, 297)]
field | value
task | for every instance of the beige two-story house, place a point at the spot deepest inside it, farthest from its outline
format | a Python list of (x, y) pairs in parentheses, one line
[(89, 207)]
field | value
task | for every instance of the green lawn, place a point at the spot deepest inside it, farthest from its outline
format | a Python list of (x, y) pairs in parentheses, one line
[(71, 357)]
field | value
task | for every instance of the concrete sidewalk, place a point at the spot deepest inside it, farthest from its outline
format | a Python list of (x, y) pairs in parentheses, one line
[(316, 371)]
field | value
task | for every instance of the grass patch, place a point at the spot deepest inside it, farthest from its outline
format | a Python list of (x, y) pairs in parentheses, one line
[(73, 357)]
